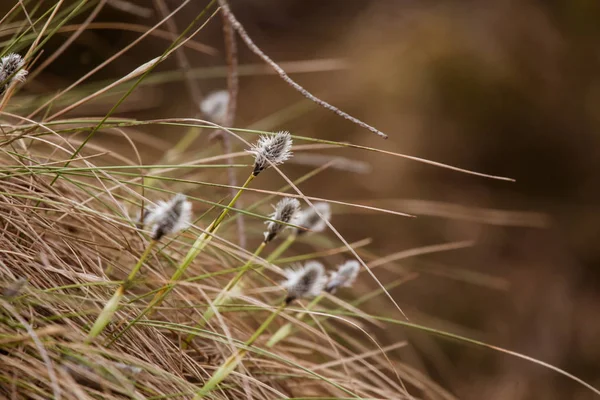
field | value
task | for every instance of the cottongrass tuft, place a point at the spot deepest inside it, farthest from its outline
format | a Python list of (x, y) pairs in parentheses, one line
[(271, 150), (11, 70), (343, 277), (285, 212), (307, 281), (215, 105), (311, 221), (169, 217)]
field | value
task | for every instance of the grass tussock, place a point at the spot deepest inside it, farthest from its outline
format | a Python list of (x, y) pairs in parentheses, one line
[(116, 286)]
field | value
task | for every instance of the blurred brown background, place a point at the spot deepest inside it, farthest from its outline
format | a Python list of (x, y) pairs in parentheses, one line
[(504, 87)]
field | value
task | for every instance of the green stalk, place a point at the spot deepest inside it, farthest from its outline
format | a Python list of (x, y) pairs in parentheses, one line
[(282, 247), (113, 304), (286, 329), (223, 296), (201, 242), (199, 245), (236, 358)]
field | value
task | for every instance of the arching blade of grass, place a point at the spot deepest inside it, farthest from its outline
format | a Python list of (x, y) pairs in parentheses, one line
[(140, 79)]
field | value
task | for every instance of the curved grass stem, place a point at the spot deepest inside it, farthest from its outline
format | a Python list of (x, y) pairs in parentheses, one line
[(286, 329), (223, 296), (201, 242), (112, 305), (236, 358)]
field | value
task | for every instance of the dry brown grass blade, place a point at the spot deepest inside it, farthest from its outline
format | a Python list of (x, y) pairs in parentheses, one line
[(108, 61)]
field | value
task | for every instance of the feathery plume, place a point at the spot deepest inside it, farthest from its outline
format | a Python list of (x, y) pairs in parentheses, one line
[(11, 70), (140, 218), (285, 212), (271, 150), (307, 281), (215, 105), (343, 277), (169, 217), (311, 221)]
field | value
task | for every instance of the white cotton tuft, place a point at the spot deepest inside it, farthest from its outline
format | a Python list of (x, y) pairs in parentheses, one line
[(306, 281), (285, 212), (271, 150), (169, 217), (311, 221), (343, 277), (215, 106), (11, 70)]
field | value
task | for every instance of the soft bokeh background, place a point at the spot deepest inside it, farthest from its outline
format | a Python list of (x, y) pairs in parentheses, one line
[(503, 87)]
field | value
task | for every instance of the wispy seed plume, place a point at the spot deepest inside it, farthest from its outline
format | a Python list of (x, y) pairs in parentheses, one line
[(169, 217), (343, 277), (11, 70), (307, 281), (215, 105), (271, 150), (311, 221), (285, 212)]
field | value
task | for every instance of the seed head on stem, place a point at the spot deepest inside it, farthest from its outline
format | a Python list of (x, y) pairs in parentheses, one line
[(343, 277), (285, 213), (215, 105), (311, 221), (306, 281), (271, 150), (11, 70), (169, 216)]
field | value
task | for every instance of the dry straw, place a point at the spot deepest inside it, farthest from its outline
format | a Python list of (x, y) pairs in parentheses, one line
[(343, 277), (269, 150), (284, 214), (165, 219), (306, 281), (307, 221)]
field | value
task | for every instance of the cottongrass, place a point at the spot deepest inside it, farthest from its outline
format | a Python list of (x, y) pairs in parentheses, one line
[(306, 281), (303, 282), (166, 218), (314, 219), (62, 233), (169, 217), (271, 150), (215, 105), (343, 277), (11, 71), (285, 213)]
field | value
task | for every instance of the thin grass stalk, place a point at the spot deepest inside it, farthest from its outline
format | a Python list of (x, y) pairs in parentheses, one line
[(236, 358), (199, 245), (133, 87), (286, 329), (281, 248), (223, 296), (201, 242), (112, 305)]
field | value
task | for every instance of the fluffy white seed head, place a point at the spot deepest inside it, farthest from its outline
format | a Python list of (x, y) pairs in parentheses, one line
[(343, 277), (306, 281), (11, 70), (311, 221), (141, 217), (271, 150), (285, 212), (215, 105), (169, 216)]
